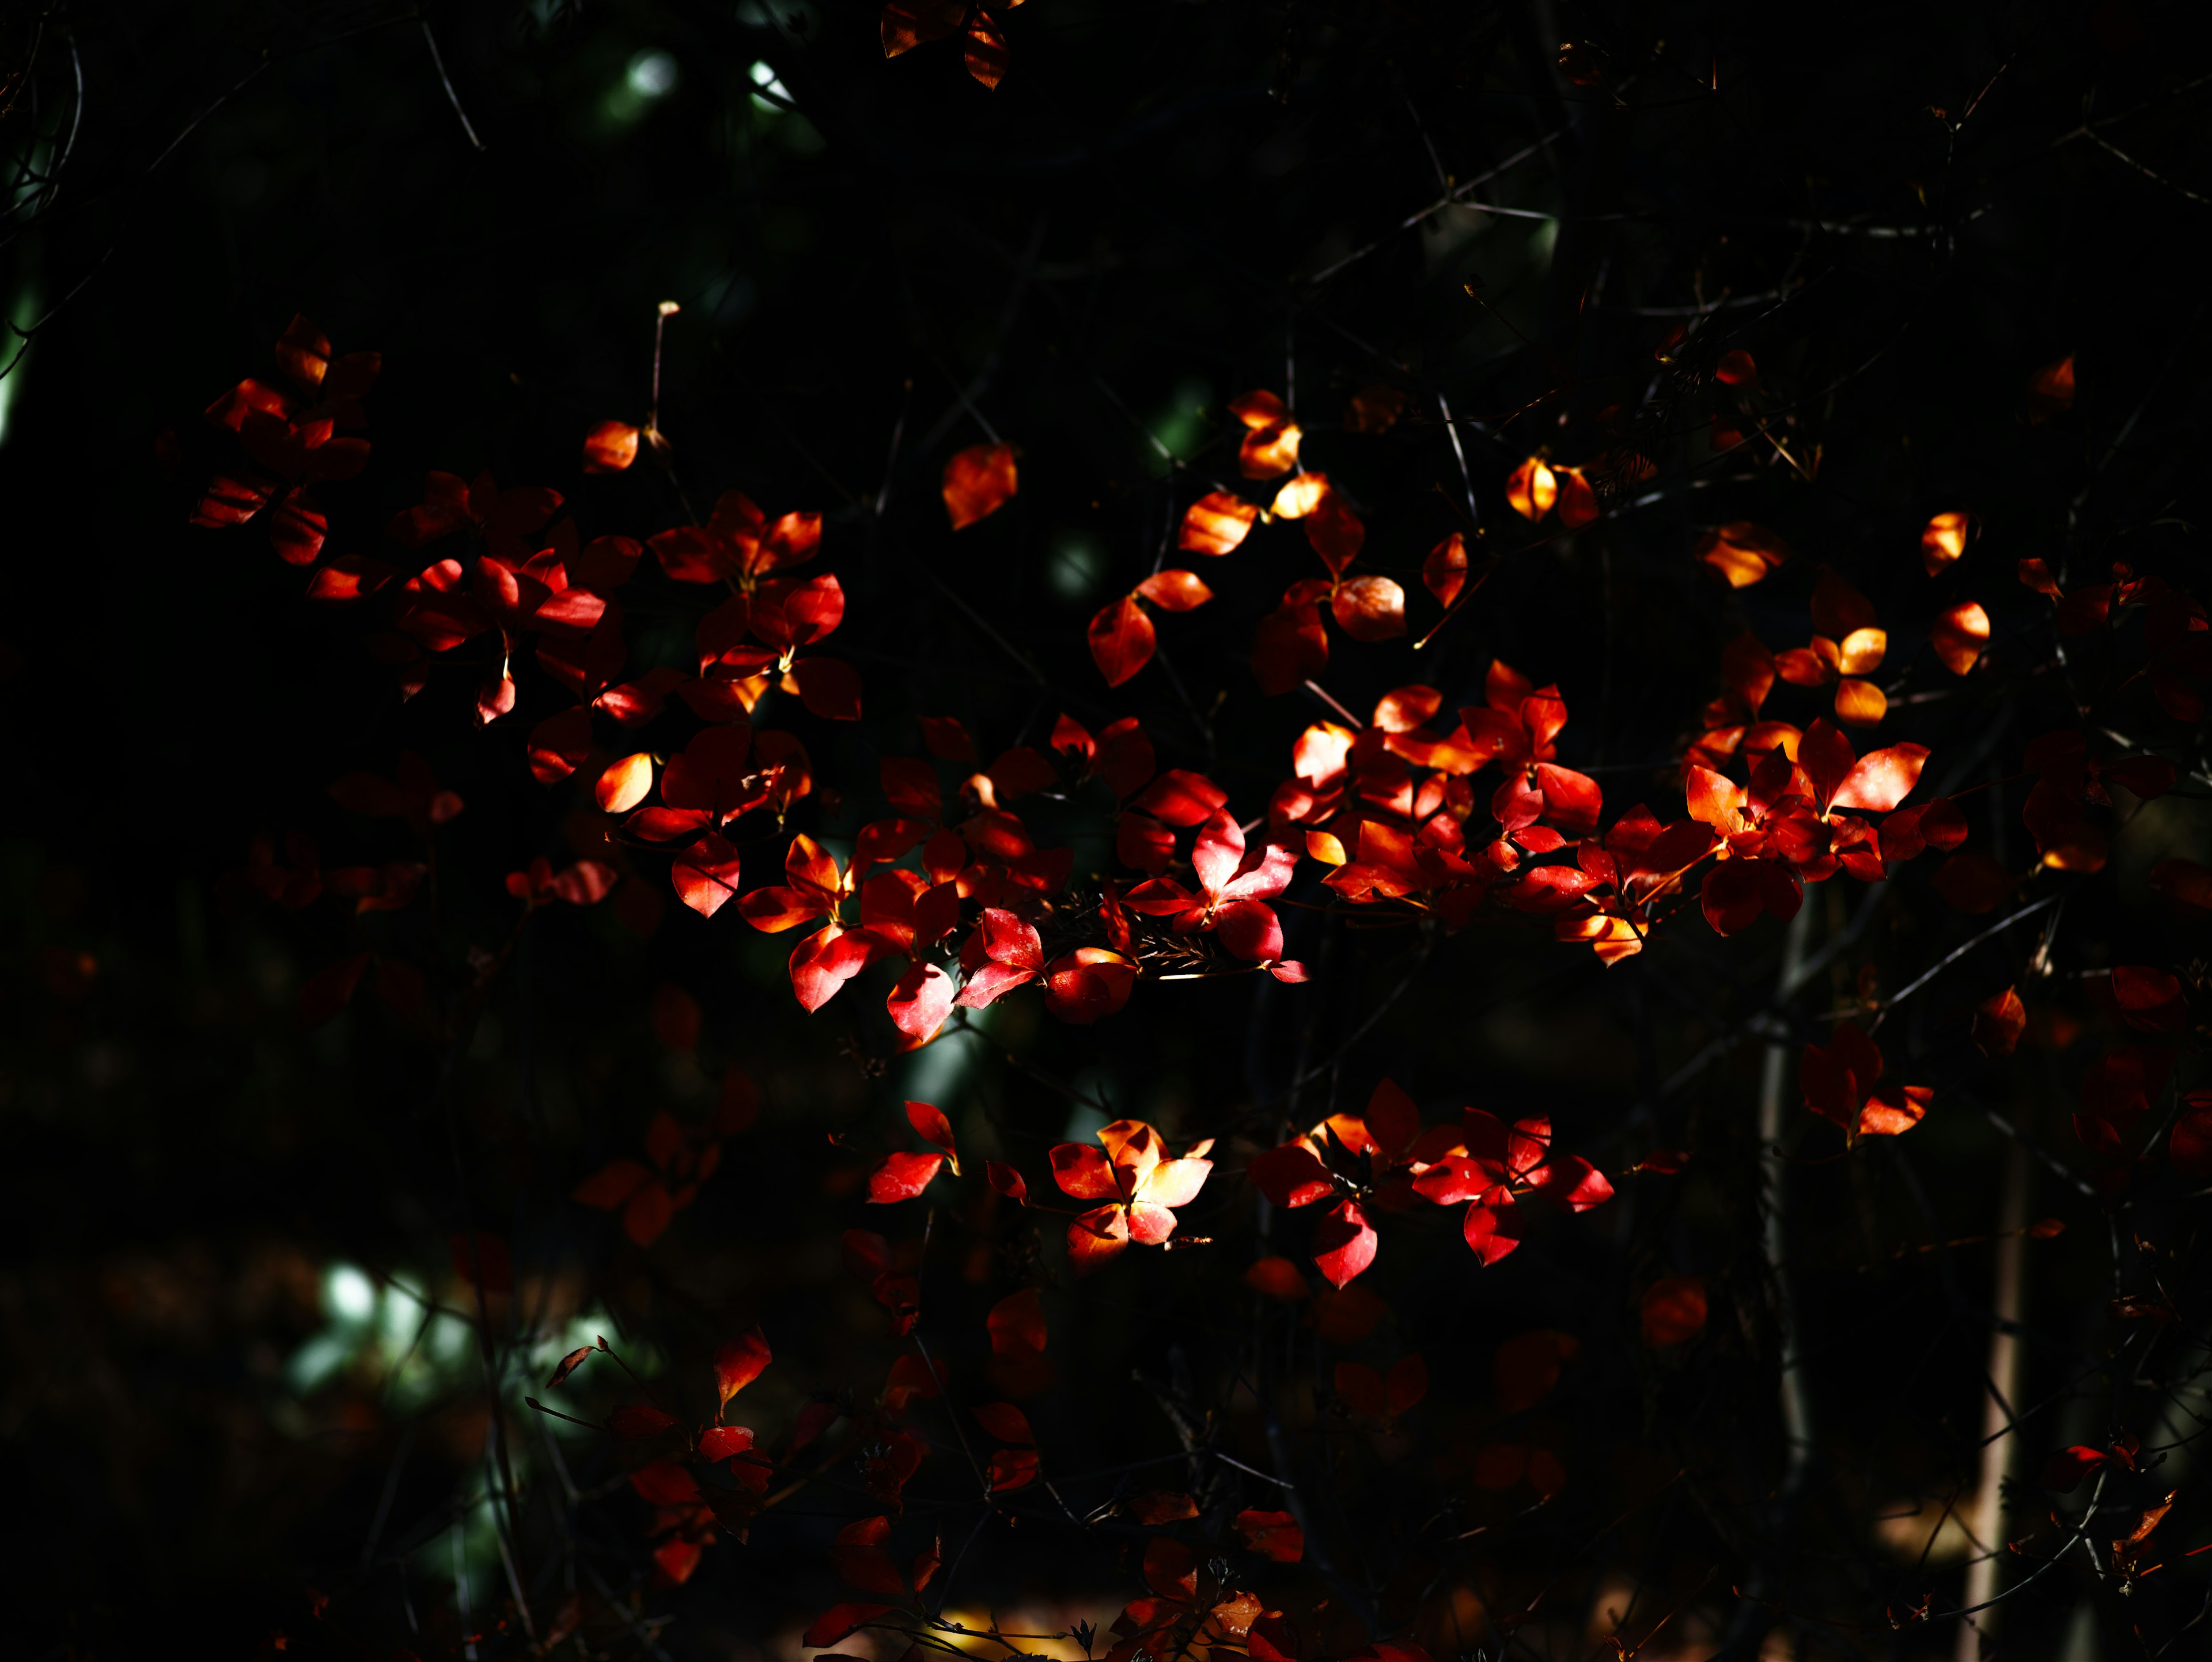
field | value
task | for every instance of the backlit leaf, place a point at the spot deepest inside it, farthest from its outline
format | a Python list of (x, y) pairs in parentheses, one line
[(978, 482), (1121, 639)]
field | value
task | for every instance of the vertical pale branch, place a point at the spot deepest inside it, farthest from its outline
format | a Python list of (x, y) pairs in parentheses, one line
[(1773, 1195), (2000, 1440), (1753, 1613)]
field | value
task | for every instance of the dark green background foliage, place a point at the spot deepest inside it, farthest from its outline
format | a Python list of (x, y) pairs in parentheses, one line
[(1152, 214)]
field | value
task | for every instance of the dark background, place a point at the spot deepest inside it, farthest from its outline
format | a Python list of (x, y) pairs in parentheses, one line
[(1127, 233)]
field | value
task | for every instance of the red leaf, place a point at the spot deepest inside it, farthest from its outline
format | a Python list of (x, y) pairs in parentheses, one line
[(633, 1423), (978, 483), (902, 1176), (347, 578), (559, 744), (739, 1362), (1526, 1367), (1999, 1021), (719, 1443), (1673, 1310), (834, 1624), (1408, 1382), (1370, 608), (2149, 998), (1278, 1278), (612, 1185), (2067, 1468), (2190, 1147), (828, 687), (919, 1000), (1005, 1422), (1121, 639), (706, 873), (1343, 1242)]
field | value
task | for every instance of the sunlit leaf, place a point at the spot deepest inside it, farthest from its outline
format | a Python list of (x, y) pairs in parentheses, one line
[(1741, 551), (1943, 540)]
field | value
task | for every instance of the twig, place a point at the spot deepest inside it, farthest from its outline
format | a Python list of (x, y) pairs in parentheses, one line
[(438, 62)]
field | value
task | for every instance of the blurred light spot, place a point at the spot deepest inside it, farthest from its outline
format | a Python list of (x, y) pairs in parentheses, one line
[(1075, 567), (764, 78), (652, 75), (351, 1295)]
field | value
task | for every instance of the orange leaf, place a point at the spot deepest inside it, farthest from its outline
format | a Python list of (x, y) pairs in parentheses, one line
[(1215, 523), (1943, 541), (986, 52), (1370, 608), (1174, 591), (1300, 496), (610, 448), (624, 784), (1157, 1507), (1268, 452), (978, 483), (1532, 489), (1273, 1535), (1741, 551), (1860, 704), (1444, 572), (1959, 634)]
